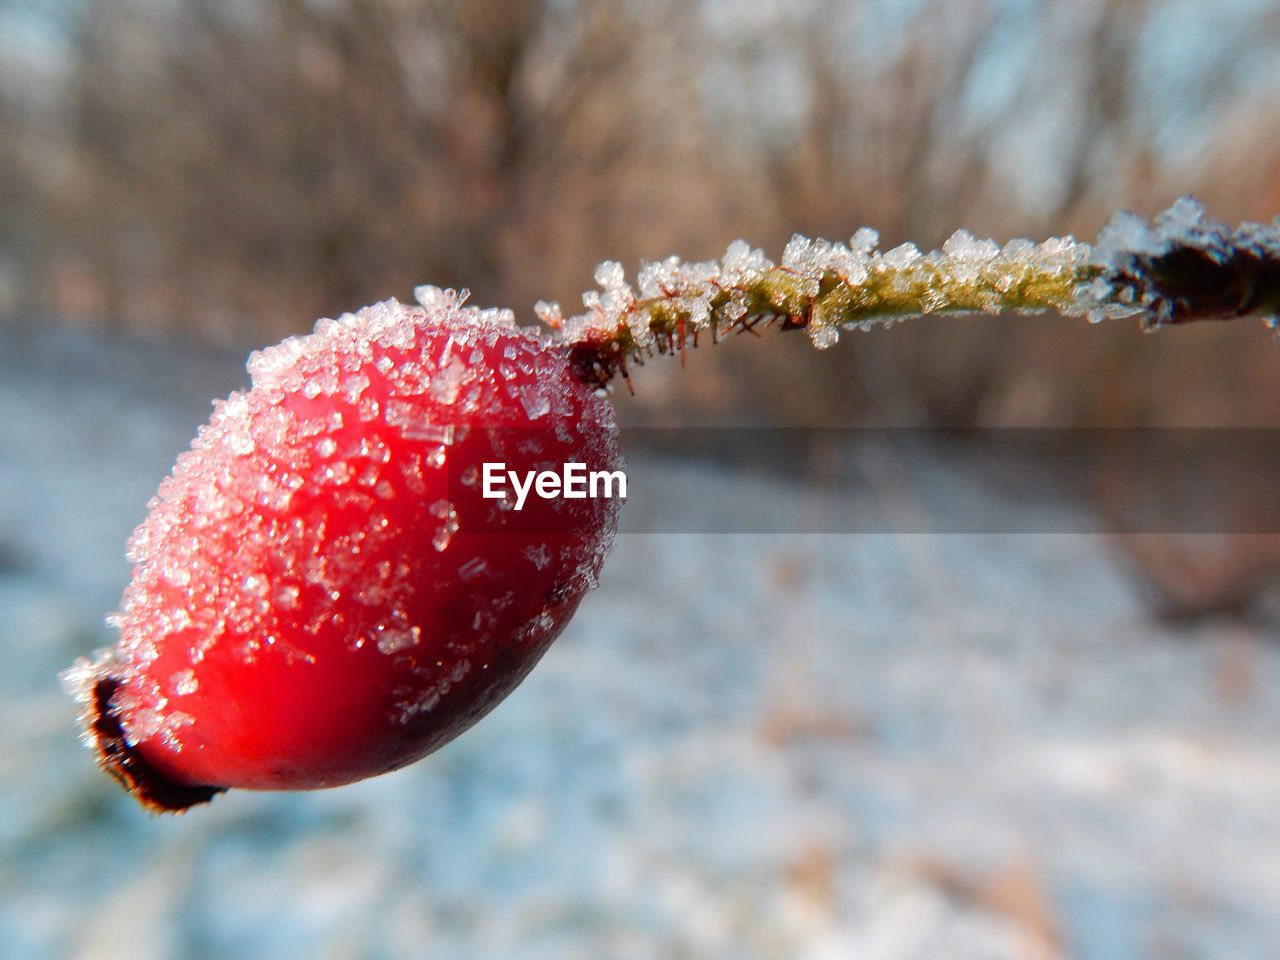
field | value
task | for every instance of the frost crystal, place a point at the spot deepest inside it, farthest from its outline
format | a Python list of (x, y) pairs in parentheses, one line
[(534, 400), (610, 275), (391, 640)]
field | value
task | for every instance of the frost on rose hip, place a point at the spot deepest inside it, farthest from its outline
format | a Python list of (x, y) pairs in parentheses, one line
[(321, 592)]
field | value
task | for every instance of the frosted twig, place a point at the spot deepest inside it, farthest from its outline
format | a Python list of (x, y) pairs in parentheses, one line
[(1184, 266)]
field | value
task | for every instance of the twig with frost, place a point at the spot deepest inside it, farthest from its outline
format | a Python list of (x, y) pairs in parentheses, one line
[(1184, 266)]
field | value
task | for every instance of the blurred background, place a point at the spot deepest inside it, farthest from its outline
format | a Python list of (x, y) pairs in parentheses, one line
[(227, 172), (881, 746)]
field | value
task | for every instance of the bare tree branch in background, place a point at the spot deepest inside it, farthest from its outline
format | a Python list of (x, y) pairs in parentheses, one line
[(236, 170), (279, 163)]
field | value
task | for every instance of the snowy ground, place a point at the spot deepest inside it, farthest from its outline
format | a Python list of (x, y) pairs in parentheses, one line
[(744, 746)]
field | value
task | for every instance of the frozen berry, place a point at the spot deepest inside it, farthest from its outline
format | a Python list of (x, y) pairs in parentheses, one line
[(323, 592)]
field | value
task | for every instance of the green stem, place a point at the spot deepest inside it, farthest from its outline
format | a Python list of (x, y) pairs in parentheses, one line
[(1183, 267)]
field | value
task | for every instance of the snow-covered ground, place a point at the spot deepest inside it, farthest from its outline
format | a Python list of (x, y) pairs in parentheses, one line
[(744, 746)]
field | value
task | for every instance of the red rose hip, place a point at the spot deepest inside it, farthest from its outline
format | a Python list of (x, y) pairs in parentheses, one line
[(323, 592)]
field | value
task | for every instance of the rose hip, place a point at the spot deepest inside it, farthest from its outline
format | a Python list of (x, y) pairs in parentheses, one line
[(321, 592)]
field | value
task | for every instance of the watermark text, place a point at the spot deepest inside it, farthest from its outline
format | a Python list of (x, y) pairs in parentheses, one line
[(573, 482)]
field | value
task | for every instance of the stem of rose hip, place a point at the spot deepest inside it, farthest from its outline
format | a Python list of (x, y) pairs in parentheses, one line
[(1181, 268), (819, 300)]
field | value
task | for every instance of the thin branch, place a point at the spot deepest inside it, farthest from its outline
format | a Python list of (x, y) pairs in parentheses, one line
[(1185, 266)]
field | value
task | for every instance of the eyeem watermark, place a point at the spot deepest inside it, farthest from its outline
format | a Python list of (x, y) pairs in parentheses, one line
[(573, 482)]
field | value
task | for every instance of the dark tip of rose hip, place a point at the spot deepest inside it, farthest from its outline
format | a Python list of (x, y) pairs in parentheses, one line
[(148, 786)]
